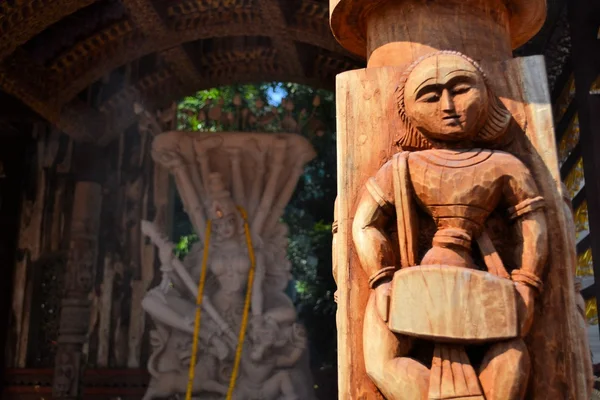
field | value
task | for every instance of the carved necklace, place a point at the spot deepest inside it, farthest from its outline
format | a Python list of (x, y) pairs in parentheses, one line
[(455, 158)]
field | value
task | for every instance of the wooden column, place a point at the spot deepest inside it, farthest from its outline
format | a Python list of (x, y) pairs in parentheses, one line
[(12, 175), (81, 268), (584, 22), (392, 34)]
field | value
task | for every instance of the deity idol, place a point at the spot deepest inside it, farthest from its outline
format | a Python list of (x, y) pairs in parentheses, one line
[(228, 264), (437, 325), (228, 259)]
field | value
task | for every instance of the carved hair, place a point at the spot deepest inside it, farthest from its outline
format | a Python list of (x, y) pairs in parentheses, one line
[(495, 126)]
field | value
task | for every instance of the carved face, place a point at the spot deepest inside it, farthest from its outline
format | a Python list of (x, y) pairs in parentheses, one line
[(446, 98), (224, 228), (263, 331)]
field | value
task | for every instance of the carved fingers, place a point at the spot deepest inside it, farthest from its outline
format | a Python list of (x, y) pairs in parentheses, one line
[(382, 300), (525, 306)]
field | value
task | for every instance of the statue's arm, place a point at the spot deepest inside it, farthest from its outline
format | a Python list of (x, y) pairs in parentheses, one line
[(527, 211), (257, 286), (290, 359), (374, 209)]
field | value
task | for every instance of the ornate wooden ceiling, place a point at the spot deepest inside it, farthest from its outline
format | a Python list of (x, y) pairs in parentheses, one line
[(81, 64)]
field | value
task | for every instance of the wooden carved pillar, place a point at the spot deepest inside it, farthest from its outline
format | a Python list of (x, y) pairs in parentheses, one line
[(12, 175), (76, 305), (417, 53)]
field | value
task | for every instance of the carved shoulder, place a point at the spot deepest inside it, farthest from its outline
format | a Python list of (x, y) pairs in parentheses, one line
[(519, 184), (381, 186)]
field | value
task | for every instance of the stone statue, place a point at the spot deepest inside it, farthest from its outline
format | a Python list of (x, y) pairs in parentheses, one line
[(273, 350), (447, 315), (221, 178)]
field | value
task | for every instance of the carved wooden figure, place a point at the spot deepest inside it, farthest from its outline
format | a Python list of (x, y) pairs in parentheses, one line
[(453, 256), (448, 110)]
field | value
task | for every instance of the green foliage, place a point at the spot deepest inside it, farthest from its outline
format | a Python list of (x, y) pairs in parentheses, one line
[(190, 106), (309, 213), (184, 245)]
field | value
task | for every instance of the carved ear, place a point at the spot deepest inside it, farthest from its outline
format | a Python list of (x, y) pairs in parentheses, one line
[(497, 121)]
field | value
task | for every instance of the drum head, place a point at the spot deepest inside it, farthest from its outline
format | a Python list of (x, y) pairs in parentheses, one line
[(452, 304)]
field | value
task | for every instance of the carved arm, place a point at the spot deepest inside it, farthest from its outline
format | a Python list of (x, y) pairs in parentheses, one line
[(290, 359), (534, 249), (528, 213), (257, 286), (373, 246)]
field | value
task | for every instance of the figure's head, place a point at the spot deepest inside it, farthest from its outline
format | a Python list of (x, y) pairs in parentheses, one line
[(445, 97), (263, 330), (221, 209), (225, 227)]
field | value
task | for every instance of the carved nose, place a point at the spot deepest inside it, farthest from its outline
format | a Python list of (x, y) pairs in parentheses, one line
[(446, 102)]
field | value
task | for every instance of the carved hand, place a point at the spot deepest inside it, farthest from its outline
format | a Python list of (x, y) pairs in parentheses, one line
[(382, 299), (525, 306)]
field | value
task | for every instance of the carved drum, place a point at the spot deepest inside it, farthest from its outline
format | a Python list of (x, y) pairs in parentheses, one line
[(452, 304)]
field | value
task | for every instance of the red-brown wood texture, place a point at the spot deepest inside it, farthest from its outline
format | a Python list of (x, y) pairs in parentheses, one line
[(369, 129)]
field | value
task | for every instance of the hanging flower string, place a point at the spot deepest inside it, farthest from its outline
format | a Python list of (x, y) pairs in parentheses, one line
[(199, 297)]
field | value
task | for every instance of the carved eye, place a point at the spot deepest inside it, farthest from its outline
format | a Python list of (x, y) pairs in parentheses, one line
[(431, 98), (460, 89)]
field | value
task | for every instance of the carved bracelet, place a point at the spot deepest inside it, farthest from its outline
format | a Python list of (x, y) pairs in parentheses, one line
[(526, 207), (385, 272), (527, 278)]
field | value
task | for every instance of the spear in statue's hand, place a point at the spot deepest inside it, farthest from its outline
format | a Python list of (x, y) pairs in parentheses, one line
[(168, 259)]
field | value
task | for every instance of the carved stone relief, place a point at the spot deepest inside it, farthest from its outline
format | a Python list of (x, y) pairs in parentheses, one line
[(216, 174)]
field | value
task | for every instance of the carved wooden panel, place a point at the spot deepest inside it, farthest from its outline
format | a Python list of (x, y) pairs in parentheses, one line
[(515, 81)]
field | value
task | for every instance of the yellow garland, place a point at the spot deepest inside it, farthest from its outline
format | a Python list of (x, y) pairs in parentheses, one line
[(242, 335), (199, 297)]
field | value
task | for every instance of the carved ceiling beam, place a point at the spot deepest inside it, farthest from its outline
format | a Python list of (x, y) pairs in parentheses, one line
[(76, 119), (145, 17), (90, 51), (326, 42), (119, 109), (127, 54), (152, 25), (39, 14), (272, 14), (244, 58), (182, 66), (192, 32)]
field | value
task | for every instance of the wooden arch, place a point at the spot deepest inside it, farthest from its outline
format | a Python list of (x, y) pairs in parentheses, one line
[(54, 51)]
